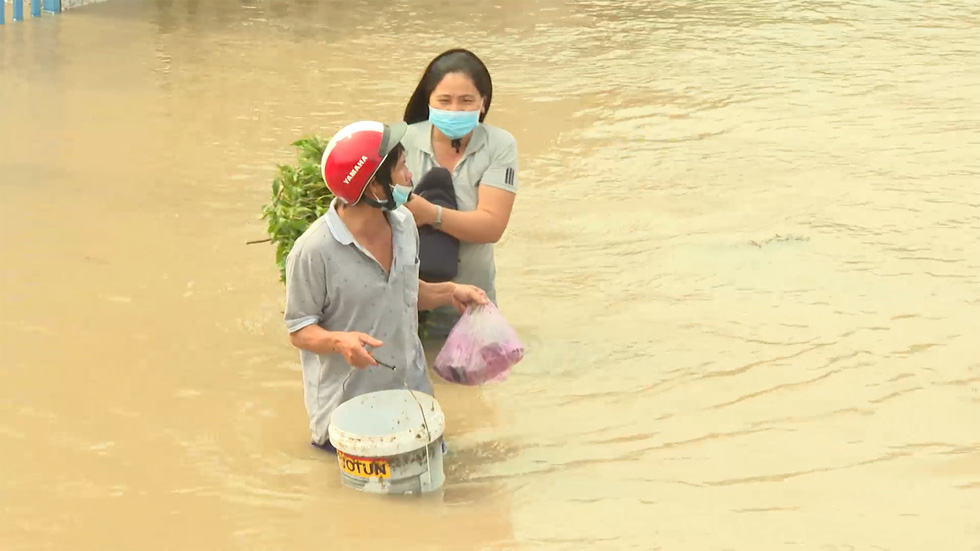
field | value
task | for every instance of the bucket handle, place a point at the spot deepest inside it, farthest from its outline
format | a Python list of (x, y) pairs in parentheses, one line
[(425, 423)]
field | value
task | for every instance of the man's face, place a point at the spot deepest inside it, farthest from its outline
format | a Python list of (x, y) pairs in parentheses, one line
[(400, 175)]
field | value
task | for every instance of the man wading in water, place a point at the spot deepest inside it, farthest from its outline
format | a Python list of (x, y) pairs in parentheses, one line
[(352, 279)]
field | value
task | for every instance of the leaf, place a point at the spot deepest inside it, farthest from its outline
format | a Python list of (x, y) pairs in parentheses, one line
[(299, 197)]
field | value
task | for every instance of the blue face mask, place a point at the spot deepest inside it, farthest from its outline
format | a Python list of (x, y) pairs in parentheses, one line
[(400, 194), (454, 124)]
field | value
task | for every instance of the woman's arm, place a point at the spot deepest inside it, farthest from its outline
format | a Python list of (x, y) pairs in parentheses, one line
[(486, 224), (495, 200)]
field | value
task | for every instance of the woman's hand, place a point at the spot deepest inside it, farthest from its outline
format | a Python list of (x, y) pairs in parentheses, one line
[(468, 295), (423, 211)]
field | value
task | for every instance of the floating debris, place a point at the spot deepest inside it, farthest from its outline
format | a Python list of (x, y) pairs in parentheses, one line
[(778, 238)]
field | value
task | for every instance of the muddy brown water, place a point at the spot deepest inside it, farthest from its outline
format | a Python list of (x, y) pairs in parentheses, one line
[(745, 260)]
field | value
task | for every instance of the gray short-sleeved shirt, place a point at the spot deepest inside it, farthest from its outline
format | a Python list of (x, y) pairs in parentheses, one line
[(490, 159), (335, 283)]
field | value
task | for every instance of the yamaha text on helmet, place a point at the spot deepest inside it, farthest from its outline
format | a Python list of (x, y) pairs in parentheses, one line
[(353, 157)]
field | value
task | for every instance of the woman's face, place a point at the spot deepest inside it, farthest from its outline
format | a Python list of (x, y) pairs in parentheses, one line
[(456, 92)]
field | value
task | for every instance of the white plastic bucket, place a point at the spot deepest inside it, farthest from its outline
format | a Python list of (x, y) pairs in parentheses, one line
[(383, 445)]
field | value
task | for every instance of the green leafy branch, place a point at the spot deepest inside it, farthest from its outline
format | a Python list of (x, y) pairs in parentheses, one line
[(299, 197)]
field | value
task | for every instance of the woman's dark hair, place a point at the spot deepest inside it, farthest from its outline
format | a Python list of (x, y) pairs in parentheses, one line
[(451, 61), (383, 175)]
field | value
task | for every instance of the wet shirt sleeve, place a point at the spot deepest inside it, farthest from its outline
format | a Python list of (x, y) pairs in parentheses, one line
[(306, 289), (502, 173)]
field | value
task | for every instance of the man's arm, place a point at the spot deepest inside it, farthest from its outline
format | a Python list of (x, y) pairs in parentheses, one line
[(306, 291), (349, 344), (306, 299), (434, 295), (315, 339)]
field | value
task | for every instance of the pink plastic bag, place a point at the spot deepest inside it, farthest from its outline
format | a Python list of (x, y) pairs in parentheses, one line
[(481, 348)]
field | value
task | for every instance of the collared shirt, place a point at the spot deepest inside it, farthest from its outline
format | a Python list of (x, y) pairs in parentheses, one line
[(490, 159), (334, 282)]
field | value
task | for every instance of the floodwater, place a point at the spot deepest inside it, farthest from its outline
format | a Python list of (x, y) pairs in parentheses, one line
[(745, 260)]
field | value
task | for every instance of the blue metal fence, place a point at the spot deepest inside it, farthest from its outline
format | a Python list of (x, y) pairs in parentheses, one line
[(50, 6)]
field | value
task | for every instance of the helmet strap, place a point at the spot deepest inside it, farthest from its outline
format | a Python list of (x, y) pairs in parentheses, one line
[(388, 204)]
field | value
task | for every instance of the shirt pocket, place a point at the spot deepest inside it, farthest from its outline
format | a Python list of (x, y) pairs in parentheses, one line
[(410, 279)]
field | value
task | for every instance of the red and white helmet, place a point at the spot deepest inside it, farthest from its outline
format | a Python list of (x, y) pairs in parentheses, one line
[(354, 155)]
